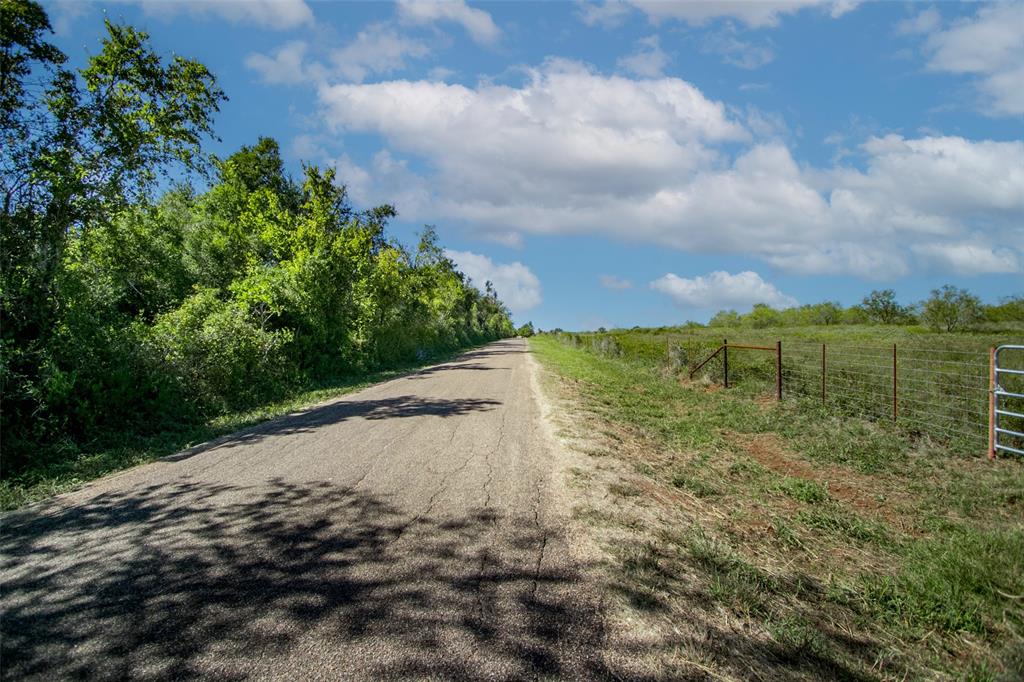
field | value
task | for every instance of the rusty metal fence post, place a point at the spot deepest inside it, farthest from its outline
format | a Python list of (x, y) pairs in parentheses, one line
[(894, 382), (823, 374), (725, 361), (778, 370)]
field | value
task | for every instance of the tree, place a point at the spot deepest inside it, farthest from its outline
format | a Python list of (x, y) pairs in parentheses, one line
[(526, 330), (77, 150), (1010, 309), (950, 308), (763, 315), (881, 306), (725, 318)]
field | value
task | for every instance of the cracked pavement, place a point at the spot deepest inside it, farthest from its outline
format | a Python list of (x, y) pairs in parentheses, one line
[(412, 530)]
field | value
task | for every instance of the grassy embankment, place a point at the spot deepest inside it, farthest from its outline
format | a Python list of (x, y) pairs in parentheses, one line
[(115, 452), (792, 540)]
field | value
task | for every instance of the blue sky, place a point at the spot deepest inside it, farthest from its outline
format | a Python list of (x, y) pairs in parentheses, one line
[(624, 163)]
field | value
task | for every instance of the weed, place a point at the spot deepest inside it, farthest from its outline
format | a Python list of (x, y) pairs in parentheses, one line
[(803, 490), (694, 484), (835, 519), (733, 580)]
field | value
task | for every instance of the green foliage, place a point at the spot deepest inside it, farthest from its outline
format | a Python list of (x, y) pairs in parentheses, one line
[(526, 330), (881, 307), (951, 308), (1009, 309), (948, 309), (128, 313)]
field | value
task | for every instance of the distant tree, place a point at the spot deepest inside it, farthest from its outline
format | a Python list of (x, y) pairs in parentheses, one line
[(881, 306), (1010, 309), (825, 313), (950, 308), (601, 330), (763, 315), (855, 314), (725, 318), (526, 330)]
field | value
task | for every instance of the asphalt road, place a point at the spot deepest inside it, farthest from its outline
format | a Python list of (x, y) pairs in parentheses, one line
[(412, 530)]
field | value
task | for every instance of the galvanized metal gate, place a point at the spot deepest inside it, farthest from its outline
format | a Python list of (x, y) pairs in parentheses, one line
[(1006, 401)]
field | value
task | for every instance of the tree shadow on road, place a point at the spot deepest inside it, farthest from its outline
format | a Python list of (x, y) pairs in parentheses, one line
[(299, 580), (190, 579), (397, 407)]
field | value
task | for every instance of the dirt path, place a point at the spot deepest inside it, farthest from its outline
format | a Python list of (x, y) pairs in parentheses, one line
[(412, 530)]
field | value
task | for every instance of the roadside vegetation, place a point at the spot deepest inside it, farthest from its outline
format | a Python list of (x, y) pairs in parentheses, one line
[(796, 540), (142, 312)]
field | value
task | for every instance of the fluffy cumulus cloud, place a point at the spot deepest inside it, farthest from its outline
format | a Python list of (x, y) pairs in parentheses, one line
[(476, 22), (516, 285), (615, 283), (653, 160), (987, 45), (273, 14), (721, 289)]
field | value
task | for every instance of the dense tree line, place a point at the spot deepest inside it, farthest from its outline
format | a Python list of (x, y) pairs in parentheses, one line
[(947, 309), (125, 310)]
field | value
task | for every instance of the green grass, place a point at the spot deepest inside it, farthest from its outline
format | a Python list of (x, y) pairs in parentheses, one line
[(942, 379), (71, 466), (918, 554)]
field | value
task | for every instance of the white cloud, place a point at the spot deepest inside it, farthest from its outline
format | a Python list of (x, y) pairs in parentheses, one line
[(649, 60), (64, 14), (615, 283), (968, 258), (516, 285), (376, 49), (477, 22), (272, 14), (988, 45), (755, 14), (608, 14), (286, 66), (925, 21), (574, 151), (720, 289)]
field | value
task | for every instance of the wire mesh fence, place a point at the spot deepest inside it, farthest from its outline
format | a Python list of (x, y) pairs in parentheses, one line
[(937, 392), (933, 392)]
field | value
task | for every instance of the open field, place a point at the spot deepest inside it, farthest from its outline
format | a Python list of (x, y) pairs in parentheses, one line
[(942, 380), (787, 541)]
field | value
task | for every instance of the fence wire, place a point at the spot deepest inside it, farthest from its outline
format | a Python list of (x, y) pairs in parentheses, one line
[(940, 394)]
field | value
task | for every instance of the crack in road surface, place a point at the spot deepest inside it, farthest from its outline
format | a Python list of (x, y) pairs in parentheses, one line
[(407, 531)]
